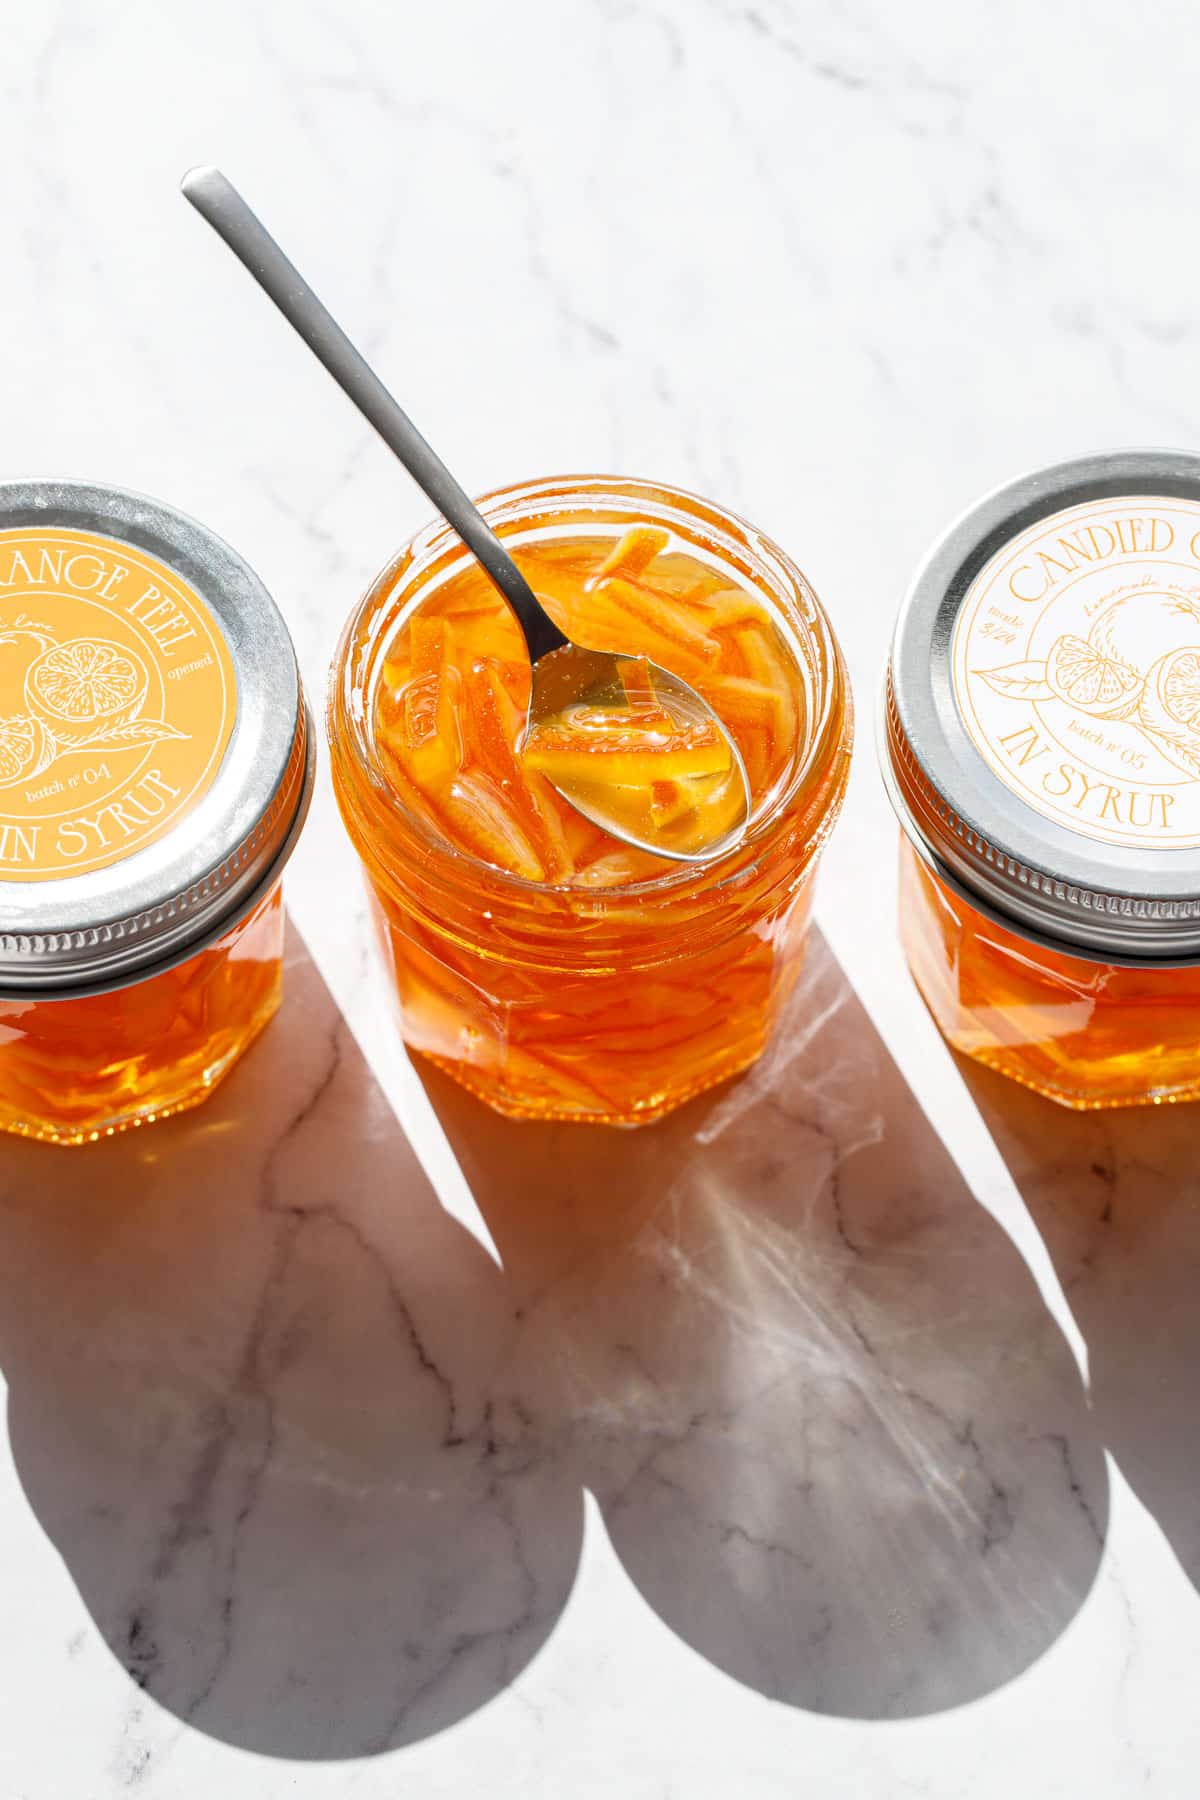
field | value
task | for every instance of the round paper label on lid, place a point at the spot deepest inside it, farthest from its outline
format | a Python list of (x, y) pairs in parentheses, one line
[(118, 697), (1075, 666)]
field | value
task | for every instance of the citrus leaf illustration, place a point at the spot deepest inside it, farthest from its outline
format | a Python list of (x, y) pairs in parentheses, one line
[(122, 737), (1019, 681), (11, 630), (1177, 748)]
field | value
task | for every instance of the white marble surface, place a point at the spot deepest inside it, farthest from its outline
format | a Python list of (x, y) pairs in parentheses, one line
[(838, 1437)]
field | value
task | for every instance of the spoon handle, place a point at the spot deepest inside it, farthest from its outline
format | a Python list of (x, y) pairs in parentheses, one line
[(218, 201)]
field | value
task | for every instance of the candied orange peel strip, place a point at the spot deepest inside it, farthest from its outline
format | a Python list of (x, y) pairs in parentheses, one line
[(427, 646), (637, 684), (729, 609), (624, 749), (495, 723), (668, 627), (485, 824), (634, 553), (737, 700), (670, 801)]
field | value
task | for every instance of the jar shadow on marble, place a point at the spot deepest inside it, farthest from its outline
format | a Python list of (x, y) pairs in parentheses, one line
[(839, 1443), (249, 1361), (1116, 1197)]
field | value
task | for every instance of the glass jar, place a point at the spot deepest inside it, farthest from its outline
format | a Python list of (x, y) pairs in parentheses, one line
[(1041, 743), (556, 1001), (155, 770)]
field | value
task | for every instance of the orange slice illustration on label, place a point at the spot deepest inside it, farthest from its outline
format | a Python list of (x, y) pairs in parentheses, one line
[(26, 748), (1169, 712), (1139, 628), (82, 687), (1077, 672)]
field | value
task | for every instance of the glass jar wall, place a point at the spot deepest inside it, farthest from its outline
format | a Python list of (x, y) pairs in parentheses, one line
[(74, 1070), (556, 994), (1085, 1033)]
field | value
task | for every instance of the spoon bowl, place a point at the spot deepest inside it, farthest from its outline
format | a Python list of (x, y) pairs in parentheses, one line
[(700, 815)]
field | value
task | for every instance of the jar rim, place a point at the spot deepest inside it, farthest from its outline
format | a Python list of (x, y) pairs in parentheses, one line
[(516, 506)]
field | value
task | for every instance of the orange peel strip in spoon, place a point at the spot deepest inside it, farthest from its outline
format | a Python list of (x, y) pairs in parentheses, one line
[(623, 748)]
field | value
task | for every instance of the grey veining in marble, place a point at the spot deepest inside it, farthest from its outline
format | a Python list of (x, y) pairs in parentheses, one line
[(1116, 1196), (838, 1441), (249, 1366), (316, 1464)]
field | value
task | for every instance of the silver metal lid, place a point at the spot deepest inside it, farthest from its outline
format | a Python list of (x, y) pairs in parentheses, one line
[(156, 754), (1040, 736)]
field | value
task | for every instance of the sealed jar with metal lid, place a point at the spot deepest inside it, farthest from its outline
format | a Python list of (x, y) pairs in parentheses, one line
[(155, 769), (1041, 743)]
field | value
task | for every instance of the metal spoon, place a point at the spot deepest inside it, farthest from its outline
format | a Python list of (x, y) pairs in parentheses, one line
[(564, 674)]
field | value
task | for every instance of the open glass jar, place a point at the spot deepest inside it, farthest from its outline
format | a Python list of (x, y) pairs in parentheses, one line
[(155, 770), (1041, 743), (573, 999)]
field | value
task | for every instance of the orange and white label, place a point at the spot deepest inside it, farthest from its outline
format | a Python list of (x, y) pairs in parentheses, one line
[(117, 701), (1075, 664)]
